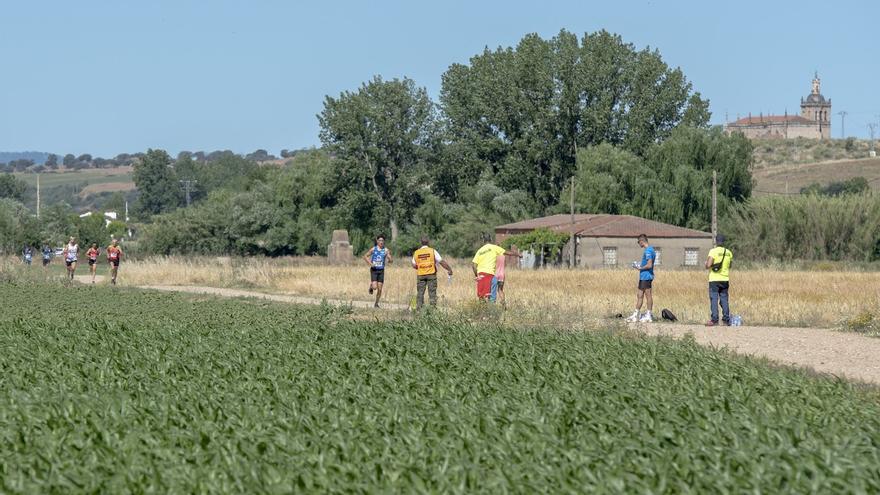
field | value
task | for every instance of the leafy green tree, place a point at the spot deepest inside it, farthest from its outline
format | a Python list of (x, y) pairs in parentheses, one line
[(157, 183), (383, 133), (52, 161), (526, 111), (856, 185), (116, 202), (92, 229), (19, 227), (671, 184), (12, 187), (69, 160)]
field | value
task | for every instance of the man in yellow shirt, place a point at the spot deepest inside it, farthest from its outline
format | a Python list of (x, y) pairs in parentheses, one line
[(484, 265), (718, 264)]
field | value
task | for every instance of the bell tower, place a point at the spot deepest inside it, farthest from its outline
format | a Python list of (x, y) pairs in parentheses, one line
[(817, 109)]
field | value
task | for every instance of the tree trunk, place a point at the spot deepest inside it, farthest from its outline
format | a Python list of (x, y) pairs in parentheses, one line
[(394, 231)]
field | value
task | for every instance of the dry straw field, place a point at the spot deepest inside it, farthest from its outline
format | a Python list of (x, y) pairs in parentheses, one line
[(762, 296)]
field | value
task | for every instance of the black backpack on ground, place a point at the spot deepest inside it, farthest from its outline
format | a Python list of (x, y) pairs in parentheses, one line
[(667, 315)]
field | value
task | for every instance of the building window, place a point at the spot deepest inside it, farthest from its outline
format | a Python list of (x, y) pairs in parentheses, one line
[(691, 256), (657, 255), (609, 256)]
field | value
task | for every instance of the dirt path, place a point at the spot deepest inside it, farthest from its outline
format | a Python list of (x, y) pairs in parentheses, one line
[(841, 354), (271, 297)]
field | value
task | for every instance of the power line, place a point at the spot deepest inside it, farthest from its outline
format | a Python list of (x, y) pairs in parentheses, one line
[(843, 114), (188, 187), (871, 127)]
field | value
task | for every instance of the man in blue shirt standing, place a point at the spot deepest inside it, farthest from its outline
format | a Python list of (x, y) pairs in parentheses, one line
[(646, 279)]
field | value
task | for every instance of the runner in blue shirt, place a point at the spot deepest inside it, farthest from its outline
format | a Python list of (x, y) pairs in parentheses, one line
[(377, 257), (47, 255), (646, 279)]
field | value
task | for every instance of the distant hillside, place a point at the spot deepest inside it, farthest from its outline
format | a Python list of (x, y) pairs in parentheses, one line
[(39, 157), (782, 179), (773, 152)]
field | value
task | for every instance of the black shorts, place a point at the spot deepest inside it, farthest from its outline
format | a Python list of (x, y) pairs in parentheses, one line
[(645, 284), (92, 262), (46, 261), (114, 263), (69, 262), (377, 275)]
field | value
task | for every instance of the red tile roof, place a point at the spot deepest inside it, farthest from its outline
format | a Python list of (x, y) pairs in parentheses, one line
[(772, 119), (602, 226)]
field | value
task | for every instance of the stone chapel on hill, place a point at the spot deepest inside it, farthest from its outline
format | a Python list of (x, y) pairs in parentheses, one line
[(814, 122)]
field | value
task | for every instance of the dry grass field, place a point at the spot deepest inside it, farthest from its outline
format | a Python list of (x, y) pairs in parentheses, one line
[(761, 296), (791, 178)]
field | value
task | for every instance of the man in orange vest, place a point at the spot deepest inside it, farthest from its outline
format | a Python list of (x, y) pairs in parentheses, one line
[(425, 260)]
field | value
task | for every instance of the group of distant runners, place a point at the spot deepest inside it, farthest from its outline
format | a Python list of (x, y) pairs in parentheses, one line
[(488, 268), (70, 255)]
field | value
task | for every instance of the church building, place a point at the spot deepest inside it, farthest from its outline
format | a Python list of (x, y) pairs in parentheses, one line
[(814, 122)]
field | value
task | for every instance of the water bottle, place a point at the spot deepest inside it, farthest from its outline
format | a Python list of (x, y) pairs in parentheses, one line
[(736, 321)]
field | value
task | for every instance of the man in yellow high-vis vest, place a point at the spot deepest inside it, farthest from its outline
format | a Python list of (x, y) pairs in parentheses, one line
[(425, 260), (718, 264)]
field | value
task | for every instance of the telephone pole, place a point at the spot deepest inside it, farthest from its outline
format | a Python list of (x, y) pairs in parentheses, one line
[(38, 195), (572, 239), (843, 114), (187, 188), (714, 206), (871, 128)]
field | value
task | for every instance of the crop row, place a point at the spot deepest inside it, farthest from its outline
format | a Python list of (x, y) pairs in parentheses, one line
[(129, 391)]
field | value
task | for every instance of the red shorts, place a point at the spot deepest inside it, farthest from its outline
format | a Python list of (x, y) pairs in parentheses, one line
[(484, 285)]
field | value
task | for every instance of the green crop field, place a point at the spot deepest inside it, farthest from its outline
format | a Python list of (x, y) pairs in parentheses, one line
[(117, 391)]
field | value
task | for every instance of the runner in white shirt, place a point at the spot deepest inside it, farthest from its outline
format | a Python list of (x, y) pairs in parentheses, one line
[(70, 253)]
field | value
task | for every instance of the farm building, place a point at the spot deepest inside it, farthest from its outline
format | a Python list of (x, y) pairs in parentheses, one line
[(608, 241)]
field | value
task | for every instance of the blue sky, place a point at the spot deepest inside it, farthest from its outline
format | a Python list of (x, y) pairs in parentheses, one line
[(106, 77)]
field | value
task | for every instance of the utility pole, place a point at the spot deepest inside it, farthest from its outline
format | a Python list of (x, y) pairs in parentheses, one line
[(843, 114), (714, 206), (572, 240), (187, 188), (871, 128), (38, 195)]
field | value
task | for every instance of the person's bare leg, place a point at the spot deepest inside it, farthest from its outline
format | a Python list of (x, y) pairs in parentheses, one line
[(639, 298), (378, 292), (649, 299)]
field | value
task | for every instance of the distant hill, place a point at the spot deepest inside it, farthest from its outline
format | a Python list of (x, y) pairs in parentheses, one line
[(790, 178), (774, 152), (39, 157)]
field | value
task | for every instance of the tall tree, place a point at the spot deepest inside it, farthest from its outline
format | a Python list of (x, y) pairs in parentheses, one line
[(382, 133), (526, 111), (157, 183), (12, 187)]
